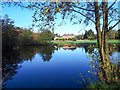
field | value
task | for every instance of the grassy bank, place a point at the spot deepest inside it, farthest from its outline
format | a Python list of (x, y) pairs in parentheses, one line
[(84, 42), (104, 86)]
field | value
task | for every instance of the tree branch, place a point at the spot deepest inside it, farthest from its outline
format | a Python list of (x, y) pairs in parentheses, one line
[(112, 4), (89, 3), (84, 15), (110, 28), (83, 8), (113, 20)]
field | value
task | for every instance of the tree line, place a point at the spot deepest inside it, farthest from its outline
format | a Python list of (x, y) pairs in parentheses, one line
[(90, 35), (14, 37)]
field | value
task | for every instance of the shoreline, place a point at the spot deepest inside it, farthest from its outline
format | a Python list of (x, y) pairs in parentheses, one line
[(83, 42)]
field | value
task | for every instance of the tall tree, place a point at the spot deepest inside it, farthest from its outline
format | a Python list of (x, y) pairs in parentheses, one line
[(46, 36), (118, 34), (89, 35), (112, 34), (26, 37), (9, 34)]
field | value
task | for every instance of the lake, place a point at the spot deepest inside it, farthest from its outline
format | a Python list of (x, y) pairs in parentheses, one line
[(51, 66)]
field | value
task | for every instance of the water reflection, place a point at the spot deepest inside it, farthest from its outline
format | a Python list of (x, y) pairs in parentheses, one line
[(12, 60), (89, 49), (27, 53), (69, 47), (46, 52)]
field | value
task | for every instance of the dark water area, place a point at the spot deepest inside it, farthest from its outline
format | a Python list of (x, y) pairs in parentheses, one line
[(51, 66)]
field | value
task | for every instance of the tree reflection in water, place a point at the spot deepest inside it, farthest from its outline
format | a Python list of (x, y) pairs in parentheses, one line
[(11, 60), (89, 48), (46, 52)]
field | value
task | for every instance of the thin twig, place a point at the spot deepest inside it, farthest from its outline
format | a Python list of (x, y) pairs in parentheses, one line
[(112, 21), (114, 25), (112, 4), (84, 15), (83, 8)]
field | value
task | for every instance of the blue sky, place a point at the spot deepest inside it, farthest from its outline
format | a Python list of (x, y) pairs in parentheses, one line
[(23, 18)]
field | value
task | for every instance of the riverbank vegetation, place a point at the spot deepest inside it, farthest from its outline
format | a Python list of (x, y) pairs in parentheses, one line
[(104, 86)]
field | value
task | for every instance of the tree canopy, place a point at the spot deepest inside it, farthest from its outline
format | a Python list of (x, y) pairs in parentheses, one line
[(46, 36), (45, 13), (89, 35), (9, 34)]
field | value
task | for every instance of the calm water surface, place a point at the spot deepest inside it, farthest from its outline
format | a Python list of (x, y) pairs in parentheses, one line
[(48, 67)]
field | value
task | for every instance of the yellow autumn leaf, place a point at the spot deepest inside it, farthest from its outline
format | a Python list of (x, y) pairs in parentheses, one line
[(57, 10), (46, 10), (75, 1), (56, 1), (44, 13)]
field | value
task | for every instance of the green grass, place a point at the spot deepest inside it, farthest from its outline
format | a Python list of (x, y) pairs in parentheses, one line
[(83, 42), (104, 86), (114, 41)]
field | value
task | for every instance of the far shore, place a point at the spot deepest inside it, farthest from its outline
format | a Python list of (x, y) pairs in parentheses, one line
[(83, 42)]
